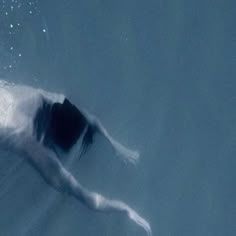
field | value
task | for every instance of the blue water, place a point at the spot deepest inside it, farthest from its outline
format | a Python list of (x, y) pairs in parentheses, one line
[(161, 76)]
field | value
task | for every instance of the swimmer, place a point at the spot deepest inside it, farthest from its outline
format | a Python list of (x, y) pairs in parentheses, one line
[(37, 124)]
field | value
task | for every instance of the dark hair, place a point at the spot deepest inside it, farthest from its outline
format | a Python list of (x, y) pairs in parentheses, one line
[(62, 125), (87, 139), (67, 124)]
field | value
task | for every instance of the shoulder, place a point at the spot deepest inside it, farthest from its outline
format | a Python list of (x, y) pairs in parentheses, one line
[(51, 97)]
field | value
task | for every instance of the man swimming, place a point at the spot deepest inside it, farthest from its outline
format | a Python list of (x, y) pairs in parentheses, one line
[(37, 124)]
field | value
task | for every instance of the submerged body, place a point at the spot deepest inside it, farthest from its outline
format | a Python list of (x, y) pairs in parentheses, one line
[(36, 123)]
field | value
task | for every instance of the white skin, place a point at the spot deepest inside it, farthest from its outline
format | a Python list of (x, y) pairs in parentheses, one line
[(18, 133)]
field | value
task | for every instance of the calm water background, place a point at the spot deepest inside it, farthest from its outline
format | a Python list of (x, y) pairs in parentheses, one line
[(161, 76)]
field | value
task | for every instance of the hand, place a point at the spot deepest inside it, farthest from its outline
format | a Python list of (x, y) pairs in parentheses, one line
[(139, 221)]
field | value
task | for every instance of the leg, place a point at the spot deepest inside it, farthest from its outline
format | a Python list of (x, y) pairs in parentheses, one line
[(120, 150), (58, 177)]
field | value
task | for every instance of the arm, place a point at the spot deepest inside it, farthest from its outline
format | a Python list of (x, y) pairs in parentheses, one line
[(120, 150), (62, 180)]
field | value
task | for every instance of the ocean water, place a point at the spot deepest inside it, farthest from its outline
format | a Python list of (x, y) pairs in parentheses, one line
[(161, 76)]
